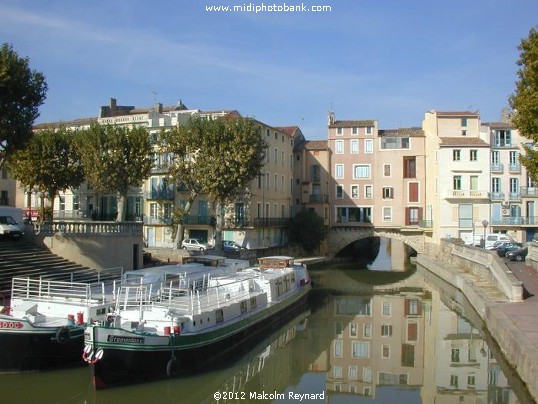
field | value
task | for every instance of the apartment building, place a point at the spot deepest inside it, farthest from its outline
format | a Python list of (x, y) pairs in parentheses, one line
[(312, 173), (351, 145), (458, 170), (258, 218), (399, 177), (513, 193)]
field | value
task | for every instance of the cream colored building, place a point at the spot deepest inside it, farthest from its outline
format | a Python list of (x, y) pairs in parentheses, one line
[(458, 173)]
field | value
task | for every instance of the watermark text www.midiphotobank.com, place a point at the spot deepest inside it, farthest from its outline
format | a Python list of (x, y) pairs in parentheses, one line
[(265, 7)]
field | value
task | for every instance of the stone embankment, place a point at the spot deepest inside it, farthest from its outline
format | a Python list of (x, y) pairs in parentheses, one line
[(498, 296)]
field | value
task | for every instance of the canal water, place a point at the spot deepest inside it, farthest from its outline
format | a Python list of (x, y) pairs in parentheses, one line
[(386, 332)]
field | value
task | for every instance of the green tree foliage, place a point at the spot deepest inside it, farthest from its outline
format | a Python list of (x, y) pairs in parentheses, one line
[(50, 163), (216, 157), (22, 91), (115, 158), (525, 99), (307, 229)]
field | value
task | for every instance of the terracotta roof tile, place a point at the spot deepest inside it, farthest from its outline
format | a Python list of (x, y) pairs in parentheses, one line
[(415, 132), (353, 124), (462, 141), (316, 145)]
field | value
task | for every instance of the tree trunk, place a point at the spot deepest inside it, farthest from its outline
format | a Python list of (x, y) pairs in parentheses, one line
[(121, 199), (180, 226), (219, 226)]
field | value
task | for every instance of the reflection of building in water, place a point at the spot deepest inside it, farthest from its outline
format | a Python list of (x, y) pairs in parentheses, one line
[(377, 341), (460, 367)]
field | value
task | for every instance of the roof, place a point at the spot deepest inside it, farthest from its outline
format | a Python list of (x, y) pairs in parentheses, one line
[(462, 141), (500, 125), (74, 122), (353, 124), (289, 130), (455, 113), (418, 132), (316, 145)]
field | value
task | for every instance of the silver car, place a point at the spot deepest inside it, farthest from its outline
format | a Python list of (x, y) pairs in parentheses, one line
[(195, 245)]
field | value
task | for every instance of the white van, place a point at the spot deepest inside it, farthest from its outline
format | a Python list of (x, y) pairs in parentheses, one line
[(11, 225), (491, 239)]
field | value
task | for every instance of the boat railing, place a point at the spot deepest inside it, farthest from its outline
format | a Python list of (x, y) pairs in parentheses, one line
[(65, 292), (195, 302), (136, 297)]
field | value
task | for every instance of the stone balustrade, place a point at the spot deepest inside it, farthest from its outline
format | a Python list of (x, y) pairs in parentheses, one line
[(83, 228)]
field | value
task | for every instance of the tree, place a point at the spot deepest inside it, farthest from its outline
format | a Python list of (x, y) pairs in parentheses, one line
[(22, 91), (525, 100), (50, 163), (216, 157), (307, 229), (115, 158)]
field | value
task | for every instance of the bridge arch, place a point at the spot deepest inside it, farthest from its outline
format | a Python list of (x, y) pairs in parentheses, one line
[(341, 236)]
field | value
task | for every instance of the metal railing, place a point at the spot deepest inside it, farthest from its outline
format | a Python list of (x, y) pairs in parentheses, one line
[(43, 290), (89, 228)]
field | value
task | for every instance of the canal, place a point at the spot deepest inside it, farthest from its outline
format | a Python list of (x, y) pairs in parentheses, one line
[(382, 331)]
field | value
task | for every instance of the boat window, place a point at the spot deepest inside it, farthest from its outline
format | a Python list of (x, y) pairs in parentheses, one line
[(253, 303), (243, 306), (219, 316)]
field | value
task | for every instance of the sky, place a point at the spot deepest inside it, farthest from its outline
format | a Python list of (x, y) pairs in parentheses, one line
[(390, 60)]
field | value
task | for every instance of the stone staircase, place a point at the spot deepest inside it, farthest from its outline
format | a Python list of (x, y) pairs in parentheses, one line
[(24, 259)]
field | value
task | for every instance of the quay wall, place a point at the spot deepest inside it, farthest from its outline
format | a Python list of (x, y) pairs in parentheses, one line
[(459, 270), (97, 245)]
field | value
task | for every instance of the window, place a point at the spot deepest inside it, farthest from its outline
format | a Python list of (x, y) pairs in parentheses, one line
[(339, 147), (456, 155), (354, 191), (386, 170), (455, 355), (355, 131), (412, 216), (353, 330), (464, 122), (473, 155), (514, 185), (338, 348), (369, 130), (367, 330), (339, 192), (361, 171), (495, 185), (386, 330), (395, 143), (387, 308), (464, 133), (337, 370), (354, 146), (387, 214), (465, 213), (339, 171), (360, 349), (456, 183), (385, 351), (502, 138), (368, 146), (388, 192), (413, 191), (368, 191), (474, 182), (410, 167), (352, 372), (339, 131)]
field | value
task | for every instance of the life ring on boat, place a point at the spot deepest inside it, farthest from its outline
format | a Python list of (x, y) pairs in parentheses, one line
[(6, 310), (172, 367), (63, 335)]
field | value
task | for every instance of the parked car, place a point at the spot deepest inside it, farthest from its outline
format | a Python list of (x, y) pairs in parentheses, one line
[(497, 244), (517, 255), (504, 248), (493, 237), (195, 245), (230, 246)]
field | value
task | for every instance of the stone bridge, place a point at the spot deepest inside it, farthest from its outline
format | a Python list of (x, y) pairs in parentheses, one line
[(341, 236)]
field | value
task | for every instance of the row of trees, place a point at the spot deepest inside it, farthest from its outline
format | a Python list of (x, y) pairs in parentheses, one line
[(217, 158)]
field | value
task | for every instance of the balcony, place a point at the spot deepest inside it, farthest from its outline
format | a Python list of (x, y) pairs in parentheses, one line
[(514, 196), (148, 220), (529, 192), (467, 194), (514, 168), (160, 194), (271, 222), (199, 219), (319, 198), (160, 168), (92, 215), (515, 221), (497, 168), (497, 196), (425, 224)]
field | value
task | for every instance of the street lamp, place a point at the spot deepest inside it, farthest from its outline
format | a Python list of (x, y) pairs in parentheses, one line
[(485, 223)]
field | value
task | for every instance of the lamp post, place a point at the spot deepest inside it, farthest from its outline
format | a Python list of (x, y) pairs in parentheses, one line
[(485, 223)]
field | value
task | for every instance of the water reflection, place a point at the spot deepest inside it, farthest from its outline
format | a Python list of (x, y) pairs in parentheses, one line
[(365, 336)]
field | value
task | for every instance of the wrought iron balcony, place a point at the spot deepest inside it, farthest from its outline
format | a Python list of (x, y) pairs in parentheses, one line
[(497, 196), (160, 193), (467, 194), (425, 224), (324, 198), (514, 196), (198, 219), (514, 221), (514, 168), (497, 168), (529, 192), (157, 220)]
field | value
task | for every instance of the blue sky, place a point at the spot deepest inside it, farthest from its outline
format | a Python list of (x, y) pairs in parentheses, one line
[(390, 60)]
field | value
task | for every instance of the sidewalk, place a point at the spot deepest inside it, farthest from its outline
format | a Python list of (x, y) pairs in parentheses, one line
[(515, 326)]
